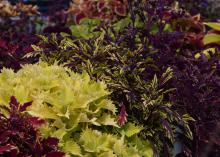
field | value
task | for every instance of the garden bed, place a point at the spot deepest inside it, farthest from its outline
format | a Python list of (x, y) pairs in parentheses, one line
[(113, 78)]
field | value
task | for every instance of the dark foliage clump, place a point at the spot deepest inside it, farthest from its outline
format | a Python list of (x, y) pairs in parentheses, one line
[(19, 136)]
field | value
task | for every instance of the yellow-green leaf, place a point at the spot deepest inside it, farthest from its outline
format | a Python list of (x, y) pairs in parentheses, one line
[(72, 147), (213, 25), (131, 129), (211, 38)]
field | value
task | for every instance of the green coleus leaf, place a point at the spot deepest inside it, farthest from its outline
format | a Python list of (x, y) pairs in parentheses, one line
[(143, 146), (106, 119), (59, 133), (120, 148), (107, 154), (42, 111), (130, 129), (94, 141), (72, 148), (85, 28), (211, 38), (213, 25), (106, 104), (121, 24)]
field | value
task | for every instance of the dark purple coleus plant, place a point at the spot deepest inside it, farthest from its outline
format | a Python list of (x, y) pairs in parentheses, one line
[(19, 136)]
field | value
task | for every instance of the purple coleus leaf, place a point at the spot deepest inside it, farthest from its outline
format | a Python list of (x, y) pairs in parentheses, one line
[(13, 104), (122, 118), (24, 106)]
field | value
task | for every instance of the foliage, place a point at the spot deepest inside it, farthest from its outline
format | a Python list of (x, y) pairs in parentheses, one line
[(13, 47), (197, 84), (213, 36), (102, 9), (126, 74), (158, 60), (9, 10), (86, 28), (74, 106), (154, 36), (17, 17), (19, 135)]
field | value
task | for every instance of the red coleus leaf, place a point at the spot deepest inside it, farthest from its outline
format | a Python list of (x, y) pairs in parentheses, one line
[(79, 17), (167, 15), (120, 10), (122, 119), (101, 5)]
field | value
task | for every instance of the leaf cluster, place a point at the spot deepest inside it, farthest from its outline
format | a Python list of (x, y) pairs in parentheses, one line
[(19, 134), (75, 108)]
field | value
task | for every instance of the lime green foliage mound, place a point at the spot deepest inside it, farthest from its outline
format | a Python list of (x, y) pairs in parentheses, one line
[(76, 109)]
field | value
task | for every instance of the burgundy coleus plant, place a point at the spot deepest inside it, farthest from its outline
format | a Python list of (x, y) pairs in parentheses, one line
[(192, 26), (103, 9), (19, 136), (13, 47)]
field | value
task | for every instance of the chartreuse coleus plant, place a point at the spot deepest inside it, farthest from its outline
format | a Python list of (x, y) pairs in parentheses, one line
[(76, 110)]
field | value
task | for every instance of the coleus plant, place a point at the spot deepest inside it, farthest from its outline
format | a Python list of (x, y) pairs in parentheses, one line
[(19, 134), (17, 17), (76, 110), (13, 47), (197, 84), (8, 10), (102, 9)]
